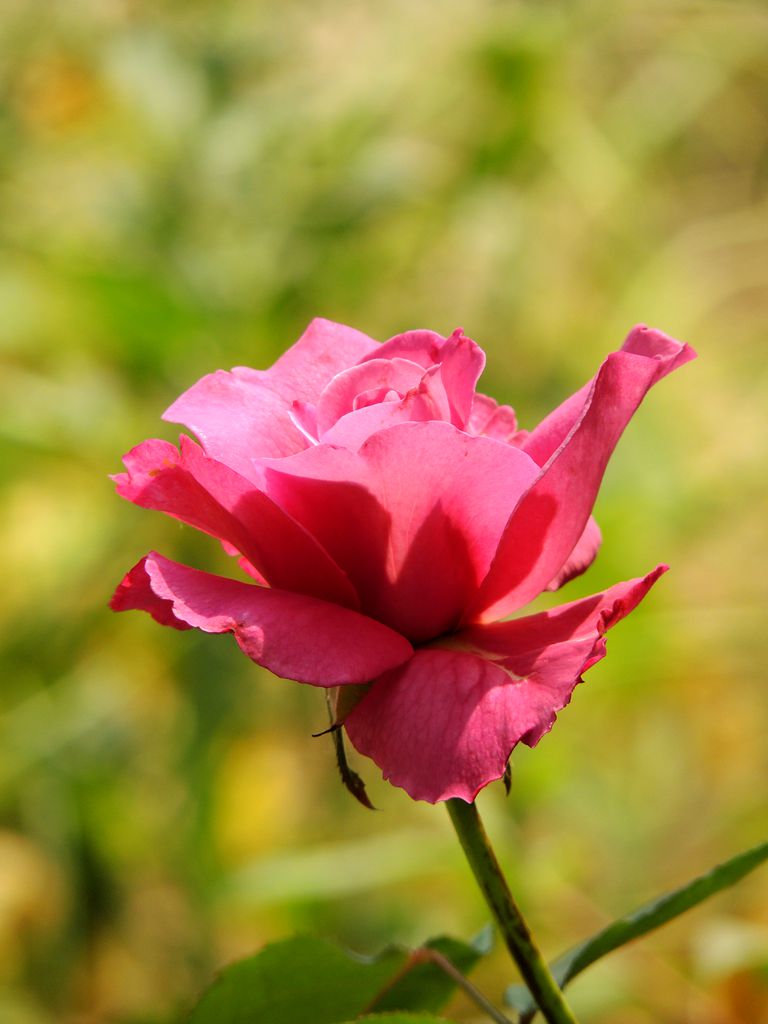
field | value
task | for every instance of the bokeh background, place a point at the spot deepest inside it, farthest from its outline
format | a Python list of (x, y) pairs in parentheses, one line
[(183, 186)]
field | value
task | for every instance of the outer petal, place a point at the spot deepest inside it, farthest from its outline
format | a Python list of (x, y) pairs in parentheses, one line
[(246, 413), (324, 349), (444, 724), (547, 437), (582, 556), (294, 636), (549, 520), (542, 442), (414, 517), (237, 418), (515, 642), (208, 495), (438, 727), (135, 592)]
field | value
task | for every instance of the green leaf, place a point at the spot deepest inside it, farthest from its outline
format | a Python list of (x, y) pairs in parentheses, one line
[(425, 986), (295, 980), (287, 980), (641, 921)]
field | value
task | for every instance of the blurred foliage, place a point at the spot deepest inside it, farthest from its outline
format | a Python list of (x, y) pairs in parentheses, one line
[(183, 186)]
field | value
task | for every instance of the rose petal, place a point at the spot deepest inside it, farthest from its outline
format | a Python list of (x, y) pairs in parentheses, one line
[(245, 414), (461, 363), (437, 727), (294, 636), (420, 346), (337, 398), (324, 349), (443, 724), (460, 359), (426, 401), (413, 518), (212, 497), (547, 437), (489, 419), (135, 592), (582, 556), (508, 642), (549, 520)]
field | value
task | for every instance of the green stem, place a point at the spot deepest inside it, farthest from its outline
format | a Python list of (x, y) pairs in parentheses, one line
[(519, 941)]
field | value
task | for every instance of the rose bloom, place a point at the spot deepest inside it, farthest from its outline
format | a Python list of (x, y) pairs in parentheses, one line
[(388, 517)]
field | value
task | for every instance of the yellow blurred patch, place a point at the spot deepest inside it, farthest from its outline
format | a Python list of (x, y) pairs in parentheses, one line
[(56, 93), (262, 796), (31, 896)]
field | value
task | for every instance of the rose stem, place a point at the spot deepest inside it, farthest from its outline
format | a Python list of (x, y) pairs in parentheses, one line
[(517, 936)]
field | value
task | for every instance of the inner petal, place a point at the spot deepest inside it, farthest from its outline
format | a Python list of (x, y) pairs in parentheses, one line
[(375, 396), (339, 395)]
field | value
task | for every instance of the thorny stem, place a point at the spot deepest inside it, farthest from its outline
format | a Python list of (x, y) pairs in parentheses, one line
[(517, 936)]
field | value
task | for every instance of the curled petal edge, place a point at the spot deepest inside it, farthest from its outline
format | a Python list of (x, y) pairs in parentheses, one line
[(293, 635)]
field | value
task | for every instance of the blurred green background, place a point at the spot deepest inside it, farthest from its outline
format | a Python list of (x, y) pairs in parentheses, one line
[(183, 186)]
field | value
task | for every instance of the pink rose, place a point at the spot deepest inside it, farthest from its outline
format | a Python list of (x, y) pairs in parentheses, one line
[(388, 516)]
